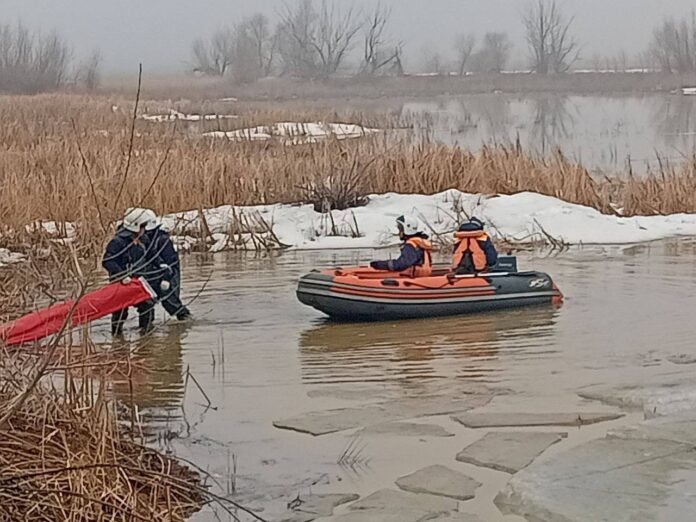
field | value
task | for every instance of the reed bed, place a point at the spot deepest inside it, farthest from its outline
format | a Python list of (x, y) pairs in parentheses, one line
[(71, 158), (65, 456)]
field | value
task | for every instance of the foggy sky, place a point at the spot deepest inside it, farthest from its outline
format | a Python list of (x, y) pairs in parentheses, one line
[(159, 32)]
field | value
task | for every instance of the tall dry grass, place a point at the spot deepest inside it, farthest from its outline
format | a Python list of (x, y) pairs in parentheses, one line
[(64, 158)]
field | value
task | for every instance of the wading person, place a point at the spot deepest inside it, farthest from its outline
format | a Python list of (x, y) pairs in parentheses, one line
[(415, 259), (127, 255), (473, 251), (163, 252)]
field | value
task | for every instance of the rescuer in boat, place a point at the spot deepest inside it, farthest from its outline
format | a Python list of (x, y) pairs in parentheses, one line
[(127, 255), (415, 259), (473, 251), (163, 251)]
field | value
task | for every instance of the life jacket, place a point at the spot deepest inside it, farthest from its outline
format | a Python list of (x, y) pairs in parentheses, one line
[(425, 269), (469, 257)]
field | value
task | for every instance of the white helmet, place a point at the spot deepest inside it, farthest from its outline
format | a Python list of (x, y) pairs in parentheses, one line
[(408, 225), (153, 221), (135, 219)]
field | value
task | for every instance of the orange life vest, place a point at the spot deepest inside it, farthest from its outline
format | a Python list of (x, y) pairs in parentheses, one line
[(425, 269), (468, 245)]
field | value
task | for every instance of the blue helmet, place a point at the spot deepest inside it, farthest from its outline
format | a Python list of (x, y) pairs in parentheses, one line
[(474, 223)]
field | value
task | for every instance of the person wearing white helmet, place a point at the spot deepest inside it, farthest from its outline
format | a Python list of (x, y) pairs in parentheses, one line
[(127, 255), (163, 250), (415, 259)]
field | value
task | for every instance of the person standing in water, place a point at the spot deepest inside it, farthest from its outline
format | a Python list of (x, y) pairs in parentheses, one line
[(127, 255), (415, 259), (163, 252)]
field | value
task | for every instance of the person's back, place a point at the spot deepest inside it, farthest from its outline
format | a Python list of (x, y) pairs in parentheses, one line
[(415, 257), (125, 255), (474, 251), (167, 259)]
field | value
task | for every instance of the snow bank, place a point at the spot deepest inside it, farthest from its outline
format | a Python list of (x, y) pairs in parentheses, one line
[(293, 133), (9, 258), (176, 115), (522, 217)]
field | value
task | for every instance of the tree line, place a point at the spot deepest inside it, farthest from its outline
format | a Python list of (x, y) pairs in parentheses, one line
[(315, 39), (32, 62), (318, 38)]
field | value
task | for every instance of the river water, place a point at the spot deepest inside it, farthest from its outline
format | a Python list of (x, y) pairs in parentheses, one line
[(258, 356), (603, 132)]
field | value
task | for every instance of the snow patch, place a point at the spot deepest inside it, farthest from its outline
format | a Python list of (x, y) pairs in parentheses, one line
[(53, 229), (8, 257), (295, 133), (524, 217), (176, 115)]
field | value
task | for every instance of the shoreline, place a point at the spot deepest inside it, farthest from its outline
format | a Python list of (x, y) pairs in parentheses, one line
[(375, 88)]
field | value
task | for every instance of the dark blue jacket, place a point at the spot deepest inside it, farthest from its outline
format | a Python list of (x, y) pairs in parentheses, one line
[(125, 256), (410, 256), (163, 248), (490, 251)]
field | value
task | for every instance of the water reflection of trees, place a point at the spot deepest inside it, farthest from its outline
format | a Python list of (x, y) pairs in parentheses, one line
[(492, 119), (674, 117), (553, 122), (489, 114)]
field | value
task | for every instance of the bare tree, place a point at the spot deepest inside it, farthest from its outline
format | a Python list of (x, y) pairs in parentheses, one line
[(245, 51), (377, 56), (673, 45), (464, 48), (88, 72), (431, 61), (493, 54), (214, 57), (316, 43), (552, 47), (336, 35), (295, 36), (31, 62), (265, 44)]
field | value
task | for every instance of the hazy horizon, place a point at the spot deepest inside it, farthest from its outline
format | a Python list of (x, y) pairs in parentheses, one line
[(159, 33)]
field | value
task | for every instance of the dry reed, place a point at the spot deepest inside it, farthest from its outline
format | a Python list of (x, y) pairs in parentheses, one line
[(62, 158), (64, 456)]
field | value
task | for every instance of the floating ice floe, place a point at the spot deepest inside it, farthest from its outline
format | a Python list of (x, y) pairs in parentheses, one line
[(8, 257), (176, 115), (295, 133), (525, 217)]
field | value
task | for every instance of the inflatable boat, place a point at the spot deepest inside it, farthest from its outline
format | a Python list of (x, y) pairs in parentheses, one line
[(364, 294)]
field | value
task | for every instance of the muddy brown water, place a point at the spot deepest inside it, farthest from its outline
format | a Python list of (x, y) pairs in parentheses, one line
[(260, 356)]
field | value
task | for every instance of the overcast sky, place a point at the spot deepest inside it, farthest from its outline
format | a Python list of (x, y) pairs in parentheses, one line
[(159, 32)]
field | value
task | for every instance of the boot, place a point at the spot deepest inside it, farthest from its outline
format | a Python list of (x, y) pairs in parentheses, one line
[(146, 319), (184, 315)]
